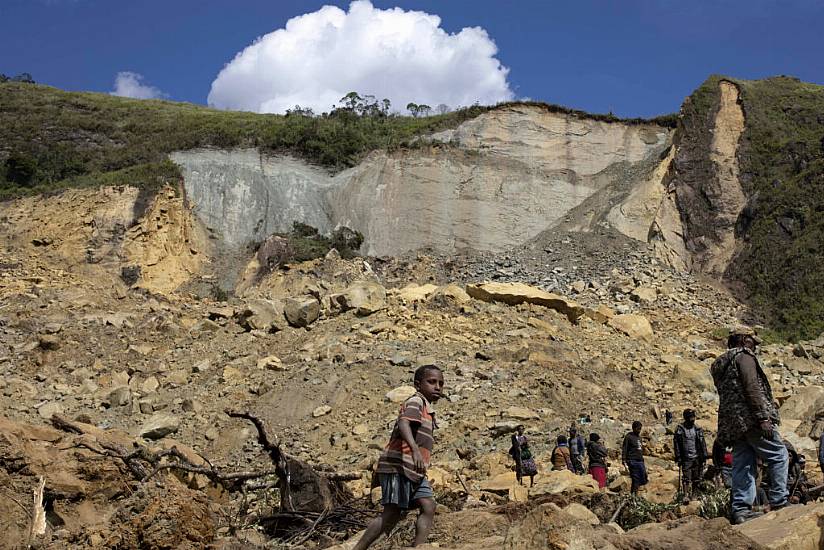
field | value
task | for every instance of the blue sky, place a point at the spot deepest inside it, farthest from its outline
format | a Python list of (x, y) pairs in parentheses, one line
[(635, 58)]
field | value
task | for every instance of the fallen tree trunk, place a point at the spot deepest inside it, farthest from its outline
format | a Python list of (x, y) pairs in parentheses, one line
[(302, 487)]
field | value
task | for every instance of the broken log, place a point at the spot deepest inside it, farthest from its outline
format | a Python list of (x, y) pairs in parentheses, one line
[(302, 487)]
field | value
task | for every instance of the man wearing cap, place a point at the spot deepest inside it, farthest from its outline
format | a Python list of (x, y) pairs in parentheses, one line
[(747, 420), (690, 449)]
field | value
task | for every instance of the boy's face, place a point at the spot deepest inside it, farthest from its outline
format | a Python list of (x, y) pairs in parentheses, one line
[(431, 385)]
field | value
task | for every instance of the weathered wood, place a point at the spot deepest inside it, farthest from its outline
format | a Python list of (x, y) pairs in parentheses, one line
[(302, 487)]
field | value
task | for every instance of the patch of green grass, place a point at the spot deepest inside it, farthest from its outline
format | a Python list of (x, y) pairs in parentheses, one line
[(781, 160), (78, 138)]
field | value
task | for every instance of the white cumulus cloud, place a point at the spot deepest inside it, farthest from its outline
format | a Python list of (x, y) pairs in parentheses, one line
[(401, 55), (129, 84)]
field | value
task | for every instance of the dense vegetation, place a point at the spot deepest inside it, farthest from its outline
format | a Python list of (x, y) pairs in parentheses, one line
[(51, 139), (782, 166)]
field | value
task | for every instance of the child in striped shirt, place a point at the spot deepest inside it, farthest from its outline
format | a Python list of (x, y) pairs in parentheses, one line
[(402, 467)]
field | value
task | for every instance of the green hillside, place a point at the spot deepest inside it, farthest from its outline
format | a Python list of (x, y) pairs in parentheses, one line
[(51, 139), (782, 165)]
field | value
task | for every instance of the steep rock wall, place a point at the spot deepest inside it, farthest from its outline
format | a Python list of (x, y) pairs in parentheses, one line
[(506, 176), (706, 179)]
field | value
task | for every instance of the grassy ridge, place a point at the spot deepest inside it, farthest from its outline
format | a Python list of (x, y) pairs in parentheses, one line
[(781, 161), (79, 139)]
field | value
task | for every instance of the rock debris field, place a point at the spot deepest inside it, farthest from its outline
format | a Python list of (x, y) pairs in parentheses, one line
[(115, 396)]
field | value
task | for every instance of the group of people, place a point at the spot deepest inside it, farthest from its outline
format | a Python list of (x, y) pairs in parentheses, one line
[(749, 455), (568, 454)]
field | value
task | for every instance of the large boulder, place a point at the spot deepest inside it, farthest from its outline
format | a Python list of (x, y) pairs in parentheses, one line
[(302, 311), (261, 314), (804, 403), (450, 293), (519, 293), (416, 293), (400, 394), (688, 533), (159, 426), (634, 326), (644, 295), (556, 482), (548, 527), (793, 528), (365, 297), (693, 374)]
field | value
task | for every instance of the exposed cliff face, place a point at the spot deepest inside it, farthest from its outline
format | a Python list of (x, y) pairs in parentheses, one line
[(95, 233), (748, 178), (707, 185), (507, 176)]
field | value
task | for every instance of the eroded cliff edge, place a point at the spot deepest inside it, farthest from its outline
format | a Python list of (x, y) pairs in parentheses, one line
[(494, 182)]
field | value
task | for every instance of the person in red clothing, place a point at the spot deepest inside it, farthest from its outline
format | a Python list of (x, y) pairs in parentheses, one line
[(401, 469), (597, 454)]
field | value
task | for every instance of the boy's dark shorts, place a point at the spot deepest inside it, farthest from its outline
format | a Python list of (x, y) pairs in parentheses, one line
[(399, 490)]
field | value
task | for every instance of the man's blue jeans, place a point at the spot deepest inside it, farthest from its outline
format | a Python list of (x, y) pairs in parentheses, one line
[(773, 454)]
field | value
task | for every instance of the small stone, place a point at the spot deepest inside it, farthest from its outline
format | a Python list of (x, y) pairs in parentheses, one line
[(120, 379), (177, 377), (501, 428), (360, 429), (644, 295), (190, 405), (521, 413), (119, 397), (150, 385), (202, 366), (226, 312), (49, 342), (146, 406), (271, 362), (231, 375), (321, 411), (400, 360), (400, 394), (50, 409), (634, 326), (141, 349), (578, 286), (159, 426)]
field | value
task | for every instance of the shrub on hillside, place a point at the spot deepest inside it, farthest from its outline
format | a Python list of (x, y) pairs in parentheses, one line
[(21, 169)]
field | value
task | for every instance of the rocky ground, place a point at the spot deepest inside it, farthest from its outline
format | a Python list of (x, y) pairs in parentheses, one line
[(323, 352)]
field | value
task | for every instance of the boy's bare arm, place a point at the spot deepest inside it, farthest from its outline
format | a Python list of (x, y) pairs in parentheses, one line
[(406, 433)]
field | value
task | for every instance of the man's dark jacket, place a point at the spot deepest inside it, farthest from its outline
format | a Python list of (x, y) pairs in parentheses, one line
[(680, 444), (744, 393)]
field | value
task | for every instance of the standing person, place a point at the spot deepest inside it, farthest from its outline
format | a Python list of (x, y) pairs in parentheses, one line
[(747, 419), (597, 454), (632, 457), (561, 458), (402, 467), (577, 448), (524, 461), (690, 454)]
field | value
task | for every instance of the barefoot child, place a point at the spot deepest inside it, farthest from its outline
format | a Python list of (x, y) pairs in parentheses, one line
[(402, 466)]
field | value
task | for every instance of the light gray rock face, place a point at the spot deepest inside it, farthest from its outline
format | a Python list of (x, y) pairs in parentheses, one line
[(513, 173), (246, 196)]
